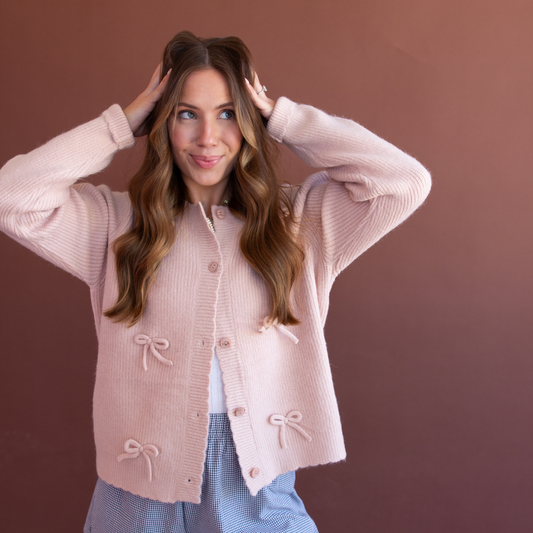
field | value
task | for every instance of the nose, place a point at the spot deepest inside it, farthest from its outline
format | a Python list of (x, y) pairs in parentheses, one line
[(207, 135)]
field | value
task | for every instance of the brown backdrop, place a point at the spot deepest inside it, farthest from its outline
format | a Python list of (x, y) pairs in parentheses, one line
[(429, 332)]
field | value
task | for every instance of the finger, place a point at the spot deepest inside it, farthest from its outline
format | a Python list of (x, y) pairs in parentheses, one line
[(158, 92), (251, 90), (154, 80), (256, 99), (258, 86), (255, 89), (257, 83)]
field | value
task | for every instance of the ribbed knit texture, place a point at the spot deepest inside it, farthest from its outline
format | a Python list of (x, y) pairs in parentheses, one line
[(206, 296)]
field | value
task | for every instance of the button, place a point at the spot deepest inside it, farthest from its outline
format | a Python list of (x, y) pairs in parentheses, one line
[(225, 342), (221, 213), (213, 266), (240, 411), (254, 472)]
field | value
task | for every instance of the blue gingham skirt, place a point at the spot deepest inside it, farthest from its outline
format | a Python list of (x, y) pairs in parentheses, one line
[(226, 503)]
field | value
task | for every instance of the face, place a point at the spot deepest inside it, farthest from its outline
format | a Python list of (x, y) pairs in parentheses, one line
[(204, 133)]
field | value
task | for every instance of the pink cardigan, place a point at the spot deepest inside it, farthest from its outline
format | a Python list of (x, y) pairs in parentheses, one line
[(152, 382)]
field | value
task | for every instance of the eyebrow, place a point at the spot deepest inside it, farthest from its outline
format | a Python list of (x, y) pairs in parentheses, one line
[(185, 104)]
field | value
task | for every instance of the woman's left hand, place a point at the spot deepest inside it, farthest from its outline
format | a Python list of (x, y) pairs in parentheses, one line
[(261, 101)]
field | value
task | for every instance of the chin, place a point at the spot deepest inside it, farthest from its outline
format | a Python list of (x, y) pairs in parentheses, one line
[(202, 180)]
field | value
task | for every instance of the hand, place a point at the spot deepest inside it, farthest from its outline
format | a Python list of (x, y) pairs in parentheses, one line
[(142, 106), (261, 101)]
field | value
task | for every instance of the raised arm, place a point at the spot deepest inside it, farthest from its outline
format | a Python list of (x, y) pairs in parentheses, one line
[(367, 188), (69, 223)]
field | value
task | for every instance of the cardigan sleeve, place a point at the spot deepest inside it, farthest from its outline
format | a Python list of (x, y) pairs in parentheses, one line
[(367, 187), (43, 208)]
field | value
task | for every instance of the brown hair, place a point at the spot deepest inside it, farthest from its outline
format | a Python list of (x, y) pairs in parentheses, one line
[(159, 195)]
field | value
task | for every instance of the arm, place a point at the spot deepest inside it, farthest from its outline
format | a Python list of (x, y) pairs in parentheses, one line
[(43, 208), (368, 186)]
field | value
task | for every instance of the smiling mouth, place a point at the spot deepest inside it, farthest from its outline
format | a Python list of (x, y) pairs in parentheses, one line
[(204, 161)]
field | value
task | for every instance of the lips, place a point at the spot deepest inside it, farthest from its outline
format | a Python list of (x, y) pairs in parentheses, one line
[(206, 161)]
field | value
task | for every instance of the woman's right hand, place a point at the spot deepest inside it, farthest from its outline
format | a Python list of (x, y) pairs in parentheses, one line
[(142, 106)]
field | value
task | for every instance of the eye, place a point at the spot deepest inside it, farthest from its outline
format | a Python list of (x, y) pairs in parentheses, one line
[(227, 114), (186, 115)]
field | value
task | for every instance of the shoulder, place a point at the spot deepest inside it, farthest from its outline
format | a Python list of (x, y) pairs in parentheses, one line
[(298, 194)]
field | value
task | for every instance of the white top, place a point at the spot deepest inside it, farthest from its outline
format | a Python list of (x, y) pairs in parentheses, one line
[(217, 396)]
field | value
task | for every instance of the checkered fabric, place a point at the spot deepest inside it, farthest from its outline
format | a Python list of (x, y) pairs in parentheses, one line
[(226, 507)]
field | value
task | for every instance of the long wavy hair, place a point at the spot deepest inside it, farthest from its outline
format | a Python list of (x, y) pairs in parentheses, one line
[(159, 195)]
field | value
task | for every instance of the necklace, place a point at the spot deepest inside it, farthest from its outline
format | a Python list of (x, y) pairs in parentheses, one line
[(210, 222)]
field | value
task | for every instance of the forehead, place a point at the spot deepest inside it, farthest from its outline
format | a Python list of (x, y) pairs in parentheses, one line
[(206, 89)]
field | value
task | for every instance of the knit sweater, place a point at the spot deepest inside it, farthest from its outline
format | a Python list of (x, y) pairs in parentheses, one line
[(151, 398)]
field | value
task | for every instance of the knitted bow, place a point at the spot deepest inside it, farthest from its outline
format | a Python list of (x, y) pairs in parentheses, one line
[(291, 420), (162, 344), (280, 327), (133, 449)]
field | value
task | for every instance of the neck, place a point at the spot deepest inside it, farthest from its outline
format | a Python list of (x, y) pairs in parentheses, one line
[(208, 196)]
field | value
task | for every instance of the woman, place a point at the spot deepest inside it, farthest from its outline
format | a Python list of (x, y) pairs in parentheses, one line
[(209, 284)]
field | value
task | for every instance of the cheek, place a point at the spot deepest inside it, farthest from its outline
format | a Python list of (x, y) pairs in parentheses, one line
[(180, 138), (235, 139)]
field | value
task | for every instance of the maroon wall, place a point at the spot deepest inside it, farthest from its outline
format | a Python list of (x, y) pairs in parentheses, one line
[(430, 332)]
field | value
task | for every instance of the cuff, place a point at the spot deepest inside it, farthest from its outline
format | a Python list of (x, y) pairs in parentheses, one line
[(280, 118), (119, 127)]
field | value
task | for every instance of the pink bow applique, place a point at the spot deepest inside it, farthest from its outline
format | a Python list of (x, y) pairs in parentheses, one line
[(162, 344), (133, 449), (280, 327), (291, 420)]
